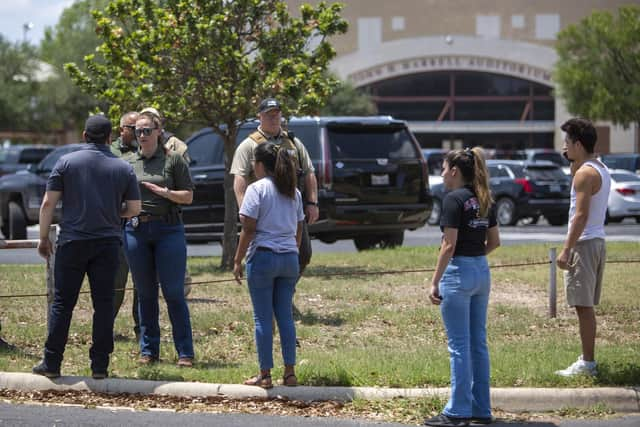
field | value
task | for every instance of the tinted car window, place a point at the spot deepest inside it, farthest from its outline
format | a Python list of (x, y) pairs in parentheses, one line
[(206, 149), (551, 156), (360, 143), (631, 163), (33, 155), (625, 177), (546, 174), (497, 172), (49, 162)]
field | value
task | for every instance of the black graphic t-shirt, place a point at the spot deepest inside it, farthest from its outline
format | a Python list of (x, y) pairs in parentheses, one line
[(461, 210)]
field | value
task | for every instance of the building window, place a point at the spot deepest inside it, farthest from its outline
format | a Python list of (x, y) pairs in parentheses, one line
[(547, 26), (517, 21), (397, 23), (369, 33), (488, 26)]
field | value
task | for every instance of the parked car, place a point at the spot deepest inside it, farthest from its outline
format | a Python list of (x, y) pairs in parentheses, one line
[(18, 157), (548, 154), (372, 180), (21, 194), (630, 161), (522, 190), (624, 197), (434, 158)]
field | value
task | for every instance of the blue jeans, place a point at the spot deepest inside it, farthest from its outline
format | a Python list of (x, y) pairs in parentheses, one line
[(465, 288), (97, 258), (157, 251), (272, 279)]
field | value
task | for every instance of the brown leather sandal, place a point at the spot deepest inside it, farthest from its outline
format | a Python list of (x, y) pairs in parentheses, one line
[(263, 381), (290, 380)]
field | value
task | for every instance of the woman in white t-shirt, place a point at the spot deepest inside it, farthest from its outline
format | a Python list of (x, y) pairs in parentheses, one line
[(271, 215)]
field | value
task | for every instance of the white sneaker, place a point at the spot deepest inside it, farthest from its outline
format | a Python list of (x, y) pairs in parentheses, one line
[(579, 367)]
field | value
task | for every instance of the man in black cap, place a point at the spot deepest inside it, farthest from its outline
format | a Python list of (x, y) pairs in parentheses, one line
[(97, 189), (270, 116)]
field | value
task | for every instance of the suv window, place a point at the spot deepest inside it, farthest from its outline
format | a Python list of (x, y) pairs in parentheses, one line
[(497, 172), (365, 143), (546, 174), (551, 156), (33, 155), (49, 162), (206, 149)]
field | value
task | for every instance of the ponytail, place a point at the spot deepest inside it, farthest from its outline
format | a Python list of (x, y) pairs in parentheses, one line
[(480, 181), (279, 164), (471, 164)]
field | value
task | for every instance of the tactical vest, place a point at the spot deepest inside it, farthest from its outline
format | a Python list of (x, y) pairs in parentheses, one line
[(289, 144)]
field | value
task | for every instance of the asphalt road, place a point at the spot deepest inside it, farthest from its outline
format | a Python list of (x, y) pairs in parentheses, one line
[(628, 231), (38, 415)]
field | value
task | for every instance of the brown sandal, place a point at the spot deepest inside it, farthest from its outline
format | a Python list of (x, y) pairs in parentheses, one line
[(263, 381), (290, 380)]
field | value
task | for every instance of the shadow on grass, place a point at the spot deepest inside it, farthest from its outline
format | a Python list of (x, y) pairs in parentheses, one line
[(326, 272), (626, 375), (205, 301), (209, 268), (310, 318)]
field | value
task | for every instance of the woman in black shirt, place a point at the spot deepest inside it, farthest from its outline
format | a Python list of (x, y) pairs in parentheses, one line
[(461, 284)]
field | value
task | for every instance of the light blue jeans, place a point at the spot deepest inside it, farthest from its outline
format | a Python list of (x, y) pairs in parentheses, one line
[(465, 288), (272, 279)]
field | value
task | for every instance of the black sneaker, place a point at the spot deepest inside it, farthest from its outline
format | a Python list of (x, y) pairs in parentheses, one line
[(41, 369), (6, 346), (99, 375), (443, 420)]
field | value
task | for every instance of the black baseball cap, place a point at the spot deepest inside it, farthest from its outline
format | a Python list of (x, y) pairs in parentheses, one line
[(268, 104), (97, 128)]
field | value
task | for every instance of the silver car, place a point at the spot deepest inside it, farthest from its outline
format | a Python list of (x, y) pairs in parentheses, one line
[(624, 198)]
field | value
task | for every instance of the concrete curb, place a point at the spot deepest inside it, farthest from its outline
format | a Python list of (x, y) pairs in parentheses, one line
[(508, 399)]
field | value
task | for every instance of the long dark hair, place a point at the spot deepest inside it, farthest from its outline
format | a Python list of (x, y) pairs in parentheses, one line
[(471, 164), (279, 164)]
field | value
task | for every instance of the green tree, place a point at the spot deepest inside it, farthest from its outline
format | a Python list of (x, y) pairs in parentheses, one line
[(598, 69), (63, 103), (18, 86), (212, 61), (347, 100)]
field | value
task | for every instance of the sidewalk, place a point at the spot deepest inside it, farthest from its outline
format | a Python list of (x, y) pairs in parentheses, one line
[(508, 399)]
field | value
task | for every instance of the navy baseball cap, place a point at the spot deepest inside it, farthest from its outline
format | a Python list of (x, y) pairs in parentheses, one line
[(268, 104), (97, 128)]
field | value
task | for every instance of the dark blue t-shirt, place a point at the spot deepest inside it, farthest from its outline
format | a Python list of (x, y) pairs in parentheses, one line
[(461, 210), (94, 184)]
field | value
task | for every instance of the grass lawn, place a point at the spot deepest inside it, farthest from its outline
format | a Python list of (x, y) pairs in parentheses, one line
[(358, 330)]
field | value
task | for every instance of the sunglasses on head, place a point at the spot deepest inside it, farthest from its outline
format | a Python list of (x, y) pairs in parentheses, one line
[(144, 131)]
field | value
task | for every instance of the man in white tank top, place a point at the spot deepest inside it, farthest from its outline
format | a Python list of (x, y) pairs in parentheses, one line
[(583, 255)]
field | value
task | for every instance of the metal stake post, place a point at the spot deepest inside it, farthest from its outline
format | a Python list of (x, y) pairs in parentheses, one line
[(552, 283)]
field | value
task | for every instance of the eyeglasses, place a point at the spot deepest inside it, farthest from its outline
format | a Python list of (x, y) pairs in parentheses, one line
[(144, 131)]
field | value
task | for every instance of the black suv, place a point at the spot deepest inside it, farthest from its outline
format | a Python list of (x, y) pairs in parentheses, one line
[(372, 180), (521, 190), (21, 193), (18, 157)]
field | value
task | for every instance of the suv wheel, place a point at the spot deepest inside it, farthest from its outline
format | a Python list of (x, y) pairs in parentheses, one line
[(17, 222), (382, 241), (506, 211), (436, 211)]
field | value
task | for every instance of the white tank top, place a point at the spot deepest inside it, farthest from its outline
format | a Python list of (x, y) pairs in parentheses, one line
[(594, 227)]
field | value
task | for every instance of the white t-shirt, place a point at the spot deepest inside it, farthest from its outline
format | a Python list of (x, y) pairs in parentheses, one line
[(277, 217)]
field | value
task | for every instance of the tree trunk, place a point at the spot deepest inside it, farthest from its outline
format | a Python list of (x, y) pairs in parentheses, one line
[(230, 236)]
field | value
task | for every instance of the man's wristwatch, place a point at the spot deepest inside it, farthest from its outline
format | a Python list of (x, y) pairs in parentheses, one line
[(311, 203)]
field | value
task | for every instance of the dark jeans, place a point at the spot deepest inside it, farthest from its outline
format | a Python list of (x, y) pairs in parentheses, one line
[(119, 291), (97, 258)]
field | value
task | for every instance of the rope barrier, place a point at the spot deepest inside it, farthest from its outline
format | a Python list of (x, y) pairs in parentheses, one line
[(347, 274)]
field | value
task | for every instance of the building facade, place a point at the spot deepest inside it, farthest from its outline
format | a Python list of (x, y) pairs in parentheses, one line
[(467, 72)]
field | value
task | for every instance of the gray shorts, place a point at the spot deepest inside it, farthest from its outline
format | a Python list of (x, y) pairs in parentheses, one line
[(583, 280)]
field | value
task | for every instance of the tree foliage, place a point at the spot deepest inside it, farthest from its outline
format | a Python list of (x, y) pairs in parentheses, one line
[(348, 100), (212, 61), (598, 69), (17, 85), (70, 40)]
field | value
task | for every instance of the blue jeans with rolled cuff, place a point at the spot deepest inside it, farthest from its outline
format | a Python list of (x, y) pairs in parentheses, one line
[(465, 287), (157, 251), (98, 259), (271, 278)]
